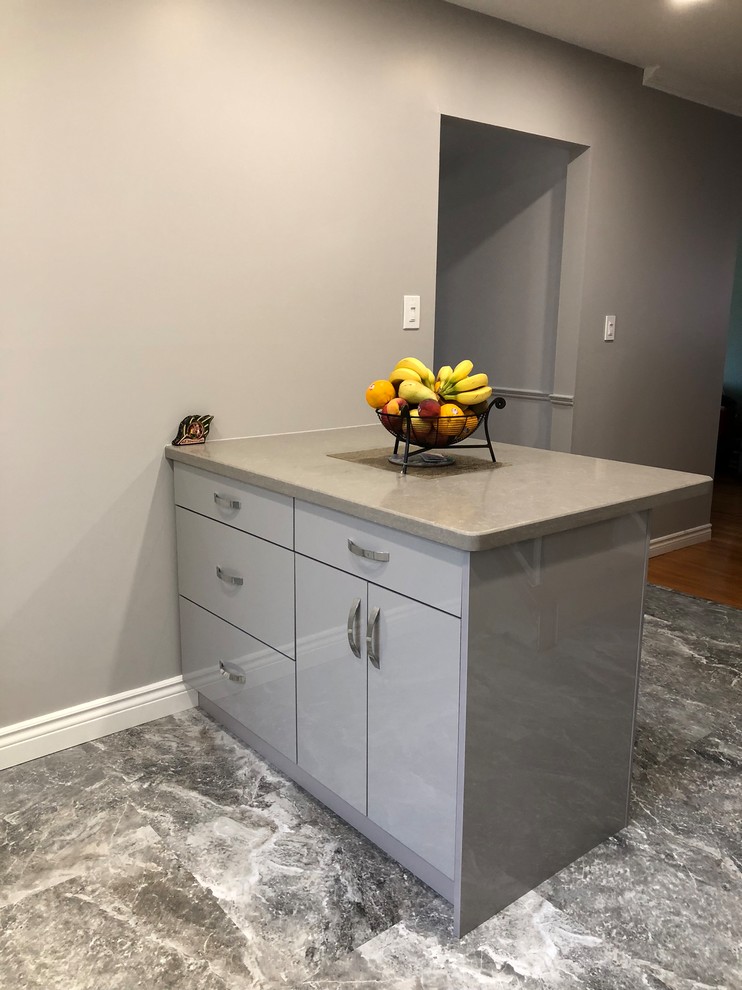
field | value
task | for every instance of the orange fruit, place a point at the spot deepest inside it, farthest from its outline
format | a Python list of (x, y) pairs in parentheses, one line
[(470, 423), (452, 420), (379, 393)]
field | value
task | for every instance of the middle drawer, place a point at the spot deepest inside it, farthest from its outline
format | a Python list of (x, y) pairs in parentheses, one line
[(245, 580)]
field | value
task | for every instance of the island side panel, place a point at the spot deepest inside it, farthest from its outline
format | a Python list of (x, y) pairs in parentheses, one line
[(549, 696)]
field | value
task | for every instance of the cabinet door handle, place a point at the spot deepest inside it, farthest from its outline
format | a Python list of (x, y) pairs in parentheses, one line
[(353, 617), (228, 578), (368, 554), (232, 671), (227, 501), (371, 638)]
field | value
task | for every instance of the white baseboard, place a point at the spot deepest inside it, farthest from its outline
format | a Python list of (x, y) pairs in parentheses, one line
[(676, 541), (71, 726)]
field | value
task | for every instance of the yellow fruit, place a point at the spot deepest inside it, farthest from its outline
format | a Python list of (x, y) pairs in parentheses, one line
[(404, 375), (471, 383), (379, 393), (462, 369), (470, 423), (475, 397), (415, 392), (420, 427), (426, 375), (451, 421)]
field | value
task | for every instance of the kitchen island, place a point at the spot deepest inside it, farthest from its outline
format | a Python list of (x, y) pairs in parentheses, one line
[(447, 659)]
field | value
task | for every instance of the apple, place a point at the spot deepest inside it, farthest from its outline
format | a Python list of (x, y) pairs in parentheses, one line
[(393, 408), (429, 409)]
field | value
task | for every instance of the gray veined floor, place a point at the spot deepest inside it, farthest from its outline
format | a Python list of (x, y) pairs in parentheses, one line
[(171, 856)]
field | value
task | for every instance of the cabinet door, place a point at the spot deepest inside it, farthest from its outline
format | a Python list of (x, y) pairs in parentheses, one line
[(246, 678), (330, 679), (413, 706)]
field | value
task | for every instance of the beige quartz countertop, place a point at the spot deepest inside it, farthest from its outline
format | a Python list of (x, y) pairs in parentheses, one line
[(527, 493)]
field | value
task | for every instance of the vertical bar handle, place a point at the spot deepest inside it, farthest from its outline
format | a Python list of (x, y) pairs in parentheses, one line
[(353, 623), (372, 638)]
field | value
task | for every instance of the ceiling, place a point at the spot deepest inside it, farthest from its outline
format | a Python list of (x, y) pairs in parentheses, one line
[(691, 48)]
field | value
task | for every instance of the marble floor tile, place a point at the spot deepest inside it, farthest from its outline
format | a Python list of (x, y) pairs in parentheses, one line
[(170, 855), (669, 887), (139, 918), (691, 674), (531, 945)]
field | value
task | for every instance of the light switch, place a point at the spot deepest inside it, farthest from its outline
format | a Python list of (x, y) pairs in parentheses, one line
[(609, 332), (411, 313)]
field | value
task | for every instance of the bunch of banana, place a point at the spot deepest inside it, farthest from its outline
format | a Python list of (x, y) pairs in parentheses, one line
[(460, 386), (414, 380)]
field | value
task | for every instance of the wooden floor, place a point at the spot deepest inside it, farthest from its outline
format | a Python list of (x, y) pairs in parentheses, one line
[(712, 569)]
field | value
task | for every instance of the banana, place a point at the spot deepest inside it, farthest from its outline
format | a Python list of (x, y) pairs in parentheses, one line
[(426, 375), (415, 392), (470, 384), (473, 397), (462, 369), (442, 377), (403, 375)]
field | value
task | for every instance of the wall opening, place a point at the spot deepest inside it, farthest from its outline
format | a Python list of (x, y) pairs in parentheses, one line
[(509, 272)]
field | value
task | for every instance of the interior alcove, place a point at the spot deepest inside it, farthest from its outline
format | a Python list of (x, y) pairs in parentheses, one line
[(510, 257)]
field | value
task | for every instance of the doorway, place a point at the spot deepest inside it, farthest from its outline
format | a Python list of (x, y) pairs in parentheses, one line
[(510, 255)]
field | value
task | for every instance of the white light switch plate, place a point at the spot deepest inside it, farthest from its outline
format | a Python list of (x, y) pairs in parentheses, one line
[(411, 313)]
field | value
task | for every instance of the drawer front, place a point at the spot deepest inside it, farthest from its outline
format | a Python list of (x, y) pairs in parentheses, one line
[(428, 572), (247, 581), (245, 678), (253, 510)]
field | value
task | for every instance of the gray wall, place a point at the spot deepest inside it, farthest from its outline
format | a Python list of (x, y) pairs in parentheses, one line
[(500, 233), (217, 207)]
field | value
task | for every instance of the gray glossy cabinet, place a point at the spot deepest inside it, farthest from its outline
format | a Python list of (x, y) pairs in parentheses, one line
[(377, 705), (471, 713), (244, 677), (330, 679), (236, 584), (413, 718)]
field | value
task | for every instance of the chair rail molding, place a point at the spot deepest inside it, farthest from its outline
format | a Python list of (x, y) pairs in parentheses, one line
[(534, 394)]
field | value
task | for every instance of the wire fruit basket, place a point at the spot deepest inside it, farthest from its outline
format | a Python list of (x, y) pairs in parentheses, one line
[(436, 432)]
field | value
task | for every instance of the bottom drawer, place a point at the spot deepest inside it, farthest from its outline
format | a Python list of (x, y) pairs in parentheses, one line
[(244, 677)]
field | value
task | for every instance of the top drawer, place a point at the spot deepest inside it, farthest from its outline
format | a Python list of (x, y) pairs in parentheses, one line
[(253, 510), (429, 572)]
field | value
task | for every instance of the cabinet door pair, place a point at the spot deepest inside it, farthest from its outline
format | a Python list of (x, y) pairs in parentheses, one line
[(377, 705)]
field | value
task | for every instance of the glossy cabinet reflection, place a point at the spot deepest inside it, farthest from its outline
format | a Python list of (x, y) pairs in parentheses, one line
[(331, 679), (243, 676), (377, 705), (413, 718)]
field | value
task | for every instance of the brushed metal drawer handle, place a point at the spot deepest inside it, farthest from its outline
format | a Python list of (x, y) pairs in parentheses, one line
[(371, 645), (368, 554), (227, 501), (228, 578), (353, 617), (231, 671)]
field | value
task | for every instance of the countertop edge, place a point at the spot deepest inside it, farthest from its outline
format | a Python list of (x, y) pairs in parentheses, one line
[(458, 539)]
